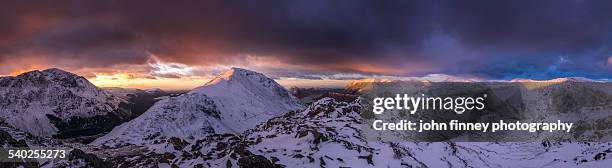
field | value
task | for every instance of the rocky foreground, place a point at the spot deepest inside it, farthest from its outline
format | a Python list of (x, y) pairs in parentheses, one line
[(325, 134)]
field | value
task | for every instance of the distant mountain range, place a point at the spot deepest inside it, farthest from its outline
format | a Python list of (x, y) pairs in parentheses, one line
[(139, 100)]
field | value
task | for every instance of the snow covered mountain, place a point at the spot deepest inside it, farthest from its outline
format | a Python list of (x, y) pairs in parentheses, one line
[(328, 133), (232, 102), (244, 119), (57, 103), (585, 103)]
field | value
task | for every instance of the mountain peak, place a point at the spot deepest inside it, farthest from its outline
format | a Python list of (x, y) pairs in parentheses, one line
[(49, 73), (239, 72), (234, 74), (55, 70), (233, 102), (56, 101), (244, 95)]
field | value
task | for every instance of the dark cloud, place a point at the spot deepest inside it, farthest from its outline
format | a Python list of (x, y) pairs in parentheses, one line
[(93, 44), (530, 38), (493, 39), (560, 26)]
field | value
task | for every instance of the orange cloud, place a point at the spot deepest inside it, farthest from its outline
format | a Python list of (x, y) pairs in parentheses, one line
[(24, 69)]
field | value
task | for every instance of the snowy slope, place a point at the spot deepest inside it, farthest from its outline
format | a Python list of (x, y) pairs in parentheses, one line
[(231, 103), (328, 134), (45, 103), (246, 98)]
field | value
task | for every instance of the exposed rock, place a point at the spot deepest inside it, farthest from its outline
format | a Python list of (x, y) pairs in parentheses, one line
[(255, 161), (89, 159)]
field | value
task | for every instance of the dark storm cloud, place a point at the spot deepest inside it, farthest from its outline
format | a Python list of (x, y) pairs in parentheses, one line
[(531, 25), (494, 39), (66, 34), (532, 38), (301, 32), (96, 44)]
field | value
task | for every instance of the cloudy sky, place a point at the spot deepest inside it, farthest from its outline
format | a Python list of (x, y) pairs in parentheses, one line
[(172, 44)]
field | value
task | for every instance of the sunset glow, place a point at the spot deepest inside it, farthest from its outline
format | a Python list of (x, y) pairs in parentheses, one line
[(130, 81)]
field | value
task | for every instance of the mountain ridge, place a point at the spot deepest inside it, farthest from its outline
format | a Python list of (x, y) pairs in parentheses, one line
[(54, 102)]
